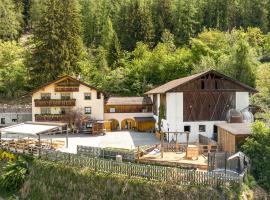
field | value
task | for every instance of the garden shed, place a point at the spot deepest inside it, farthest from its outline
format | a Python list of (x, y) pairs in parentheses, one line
[(232, 135)]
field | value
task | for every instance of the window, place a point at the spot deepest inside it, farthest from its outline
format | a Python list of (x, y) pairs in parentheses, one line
[(187, 128), (3, 120), (45, 111), (87, 110), (45, 96), (112, 110), (98, 95), (14, 120), (202, 128), (87, 96), (216, 84), (202, 85), (64, 111), (89, 125), (65, 96)]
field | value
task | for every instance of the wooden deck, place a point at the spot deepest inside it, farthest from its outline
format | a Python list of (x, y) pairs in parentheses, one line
[(175, 159)]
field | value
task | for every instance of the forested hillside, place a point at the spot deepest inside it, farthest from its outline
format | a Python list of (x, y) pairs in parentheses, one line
[(126, 47)]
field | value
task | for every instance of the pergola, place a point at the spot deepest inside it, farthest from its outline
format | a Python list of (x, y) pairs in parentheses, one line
[(34, 130)]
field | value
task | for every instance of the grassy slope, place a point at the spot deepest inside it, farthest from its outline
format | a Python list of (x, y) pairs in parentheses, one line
[(53, 181)]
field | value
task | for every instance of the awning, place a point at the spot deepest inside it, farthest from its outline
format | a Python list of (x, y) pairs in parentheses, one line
[(29, 129), (144, 119)]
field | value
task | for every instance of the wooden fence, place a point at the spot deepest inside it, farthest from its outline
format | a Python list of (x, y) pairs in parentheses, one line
[(107, 153), (151, 172)]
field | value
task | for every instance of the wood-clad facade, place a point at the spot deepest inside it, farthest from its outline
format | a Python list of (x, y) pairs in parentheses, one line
[(128, 108), (230, 140), (208, 98)]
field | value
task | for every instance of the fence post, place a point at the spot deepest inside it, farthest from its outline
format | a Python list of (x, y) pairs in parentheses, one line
[(148, 171), (95, 161)]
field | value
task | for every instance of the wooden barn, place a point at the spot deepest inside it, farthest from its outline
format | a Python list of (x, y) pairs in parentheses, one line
[(195, 103), (232, 135)]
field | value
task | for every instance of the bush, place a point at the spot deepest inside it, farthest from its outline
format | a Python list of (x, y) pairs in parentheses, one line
[(13, 171), (257, 147)]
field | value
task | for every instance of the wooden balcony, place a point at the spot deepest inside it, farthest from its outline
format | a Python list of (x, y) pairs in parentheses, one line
[(66, 89), (54, 102), (50, 118)]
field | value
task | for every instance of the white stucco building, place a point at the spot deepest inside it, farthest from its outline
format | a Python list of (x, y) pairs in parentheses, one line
[(52, 101), (195, 103)]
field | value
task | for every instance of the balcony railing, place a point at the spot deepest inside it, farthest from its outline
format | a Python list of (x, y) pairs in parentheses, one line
[(54, 102), (50, 118), (66, 89)]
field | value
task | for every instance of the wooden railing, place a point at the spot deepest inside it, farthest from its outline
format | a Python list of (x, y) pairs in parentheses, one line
[(54, 102), (151, 172), (50, 117), (66, 89)]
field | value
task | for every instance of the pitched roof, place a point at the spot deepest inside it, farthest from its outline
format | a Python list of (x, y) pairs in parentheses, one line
[(236, 128), (177, 82), (60, 79), (128, 101)]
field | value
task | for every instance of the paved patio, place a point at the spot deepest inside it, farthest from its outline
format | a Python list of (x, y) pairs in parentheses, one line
[(118, 139)]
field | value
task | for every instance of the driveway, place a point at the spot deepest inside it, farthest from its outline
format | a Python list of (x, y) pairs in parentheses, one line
[(118, 139)]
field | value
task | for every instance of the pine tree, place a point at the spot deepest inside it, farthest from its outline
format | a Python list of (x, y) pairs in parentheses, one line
[(162, 17), (185, 21), (110, 42), (137, 24), (10, 20), (57, 39)]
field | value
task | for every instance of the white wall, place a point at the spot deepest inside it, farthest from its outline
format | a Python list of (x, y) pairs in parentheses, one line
[(242, 100), (174, 111), (97, 105), (175, 119)]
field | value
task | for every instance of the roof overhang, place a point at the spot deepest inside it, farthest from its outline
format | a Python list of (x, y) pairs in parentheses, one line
[(28, 129), (59, 80), (237, 129), (167, 87)]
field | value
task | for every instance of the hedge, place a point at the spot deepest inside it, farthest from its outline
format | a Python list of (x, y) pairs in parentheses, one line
[(49, 180)]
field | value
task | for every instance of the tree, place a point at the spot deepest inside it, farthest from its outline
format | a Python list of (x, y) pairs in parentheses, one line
[(76, 119), (13, 72), (184, 21), (136, 25), (57, 40), (257, 147), (162, 17), (262, 99), (35, 12), (10, 21), (110, 42)]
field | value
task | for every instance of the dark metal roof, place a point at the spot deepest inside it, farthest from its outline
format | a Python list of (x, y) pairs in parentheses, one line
[(236, 128), (128, 101), (175, 83), (144, 119)]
